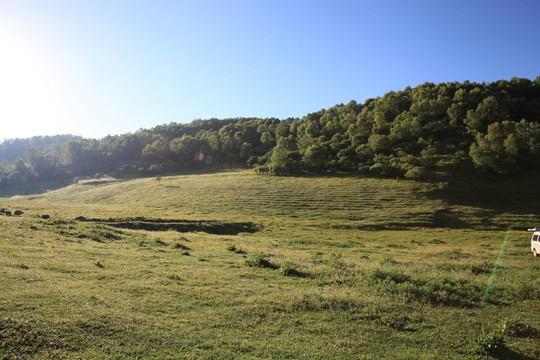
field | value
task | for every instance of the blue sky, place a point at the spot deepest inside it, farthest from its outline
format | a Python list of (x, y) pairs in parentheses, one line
[(94, 68)]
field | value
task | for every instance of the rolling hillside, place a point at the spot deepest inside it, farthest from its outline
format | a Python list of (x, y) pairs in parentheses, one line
[(334, 267), (332, 201)]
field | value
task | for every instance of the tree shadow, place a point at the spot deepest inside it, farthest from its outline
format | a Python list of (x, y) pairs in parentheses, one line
[(486, 201), (508, 354), (498, 193)]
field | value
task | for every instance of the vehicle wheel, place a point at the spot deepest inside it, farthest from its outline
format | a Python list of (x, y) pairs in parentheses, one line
[(535, 253)]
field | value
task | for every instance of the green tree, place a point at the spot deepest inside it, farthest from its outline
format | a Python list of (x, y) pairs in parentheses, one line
[(159, 150), (42, 165), (380, 143), (185, 148), (315, 158), (487, 112), (498, 149)]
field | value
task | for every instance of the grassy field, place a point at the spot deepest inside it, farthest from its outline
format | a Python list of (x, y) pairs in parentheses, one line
[(339, 267)]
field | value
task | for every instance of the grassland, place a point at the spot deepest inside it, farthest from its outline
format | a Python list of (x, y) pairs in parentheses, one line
[(340, 267)]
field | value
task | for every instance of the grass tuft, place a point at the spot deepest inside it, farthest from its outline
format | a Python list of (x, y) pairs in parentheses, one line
[(260, 260), (159, 242), (289, 269), (181, 246)]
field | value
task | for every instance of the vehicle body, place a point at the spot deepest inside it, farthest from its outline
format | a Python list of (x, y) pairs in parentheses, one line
[(535, 241)]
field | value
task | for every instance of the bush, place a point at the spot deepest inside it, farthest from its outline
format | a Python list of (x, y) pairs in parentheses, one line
[(289, 269), (515, 327), (260, 260), (491, 343), (262, 170), (234, 249), (383, 170), (416, 173)]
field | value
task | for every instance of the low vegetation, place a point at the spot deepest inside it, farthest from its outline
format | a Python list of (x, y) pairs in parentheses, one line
[(339, 267)]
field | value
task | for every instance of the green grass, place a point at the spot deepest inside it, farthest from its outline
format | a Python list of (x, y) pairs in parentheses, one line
[(340, 267)]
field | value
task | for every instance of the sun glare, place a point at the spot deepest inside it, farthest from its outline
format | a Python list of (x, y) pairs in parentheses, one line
[(30, 101)]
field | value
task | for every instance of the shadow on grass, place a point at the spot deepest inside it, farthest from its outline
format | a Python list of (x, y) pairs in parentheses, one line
[(153, 224), (489, 192), (260, 261), (506, 353)]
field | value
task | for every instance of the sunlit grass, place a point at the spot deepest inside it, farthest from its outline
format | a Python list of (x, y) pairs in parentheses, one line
[(410, 290)]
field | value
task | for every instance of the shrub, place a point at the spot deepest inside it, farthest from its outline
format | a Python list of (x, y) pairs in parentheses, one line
[(416, 173), (233, 248), (262, 170), (515, 327), (491, 343), (383, 170), (289, 269), (259, 260)]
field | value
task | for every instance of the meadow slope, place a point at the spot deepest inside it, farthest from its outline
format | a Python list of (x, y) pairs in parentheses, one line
[(339, 267)]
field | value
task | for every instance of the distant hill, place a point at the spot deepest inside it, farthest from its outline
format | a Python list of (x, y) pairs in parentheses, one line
[(411, 133), (12, 149)]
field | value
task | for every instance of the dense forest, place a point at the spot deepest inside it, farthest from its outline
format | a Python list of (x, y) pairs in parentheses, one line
[(467, 126)]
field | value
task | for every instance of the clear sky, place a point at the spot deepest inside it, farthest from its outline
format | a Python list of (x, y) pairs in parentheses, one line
[(99, 67)]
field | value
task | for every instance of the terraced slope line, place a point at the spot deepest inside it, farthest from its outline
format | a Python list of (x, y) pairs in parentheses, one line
[(339, 201)]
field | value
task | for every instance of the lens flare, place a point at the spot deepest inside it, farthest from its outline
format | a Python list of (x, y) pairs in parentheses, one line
[(208, 159), (199, 156), (497, 266)]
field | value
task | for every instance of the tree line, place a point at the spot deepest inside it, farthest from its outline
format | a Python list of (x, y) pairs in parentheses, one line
[(467, 126)]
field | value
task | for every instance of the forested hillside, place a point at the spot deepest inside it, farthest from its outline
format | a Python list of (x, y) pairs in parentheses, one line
[(467, 126)]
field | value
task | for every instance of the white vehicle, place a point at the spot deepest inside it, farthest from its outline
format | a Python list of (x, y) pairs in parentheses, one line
[(535, 241)]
